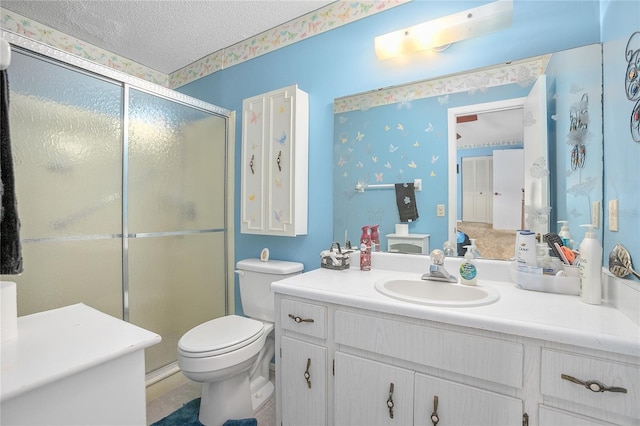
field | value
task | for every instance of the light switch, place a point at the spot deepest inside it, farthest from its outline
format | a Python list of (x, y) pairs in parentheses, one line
[(613, 215), (440, 210)]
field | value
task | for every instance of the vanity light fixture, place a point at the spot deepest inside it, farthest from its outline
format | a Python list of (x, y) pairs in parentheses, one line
[(441, 32)]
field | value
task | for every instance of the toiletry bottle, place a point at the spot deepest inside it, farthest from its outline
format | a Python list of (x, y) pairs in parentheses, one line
[(565, 234), (590, 268), (468, 270), (375, 238), (365, 250), (526, 250), (474, 249)]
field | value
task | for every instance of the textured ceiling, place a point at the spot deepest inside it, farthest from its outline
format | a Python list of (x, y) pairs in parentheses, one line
[(164, 35)]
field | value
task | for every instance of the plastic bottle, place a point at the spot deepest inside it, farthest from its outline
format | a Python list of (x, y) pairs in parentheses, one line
[(365, 250), (475, 253), (590, 268), (375, 238), (468, 270), (565, 234)]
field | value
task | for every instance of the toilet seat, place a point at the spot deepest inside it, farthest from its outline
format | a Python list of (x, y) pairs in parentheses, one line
[(220, 336)]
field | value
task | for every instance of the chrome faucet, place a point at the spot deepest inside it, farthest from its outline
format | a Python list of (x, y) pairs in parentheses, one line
[(437, 272)]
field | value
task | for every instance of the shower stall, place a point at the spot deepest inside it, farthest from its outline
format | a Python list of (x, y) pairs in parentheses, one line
[(122, 196)]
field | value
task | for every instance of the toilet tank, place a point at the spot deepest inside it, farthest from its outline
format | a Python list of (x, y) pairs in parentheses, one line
[(255, 278)]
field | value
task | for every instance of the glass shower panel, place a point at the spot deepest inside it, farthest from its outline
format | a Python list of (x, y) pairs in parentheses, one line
[(176, 283), (176, 166), (66, 135), (59, 273)]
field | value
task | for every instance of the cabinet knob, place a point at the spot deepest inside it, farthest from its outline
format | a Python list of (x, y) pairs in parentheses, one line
[(251, 164), (593, 385), (278, 160), (299, 320), (390, 401)]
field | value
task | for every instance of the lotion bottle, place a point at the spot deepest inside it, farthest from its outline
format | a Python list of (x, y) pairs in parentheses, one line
[(468, 270), (590, 268)]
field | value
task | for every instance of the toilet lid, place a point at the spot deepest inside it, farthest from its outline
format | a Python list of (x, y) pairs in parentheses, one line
[(220, 335)]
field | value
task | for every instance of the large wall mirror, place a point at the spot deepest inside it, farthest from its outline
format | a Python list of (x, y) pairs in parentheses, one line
[(513, 146)]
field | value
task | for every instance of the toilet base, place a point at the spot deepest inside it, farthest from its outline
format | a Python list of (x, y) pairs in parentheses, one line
[(261, 391), (225, 400)]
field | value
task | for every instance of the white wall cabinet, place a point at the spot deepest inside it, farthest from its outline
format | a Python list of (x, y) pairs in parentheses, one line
[(274, 171)]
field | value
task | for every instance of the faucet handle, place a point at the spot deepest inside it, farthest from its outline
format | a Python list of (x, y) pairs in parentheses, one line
[(437, 257)]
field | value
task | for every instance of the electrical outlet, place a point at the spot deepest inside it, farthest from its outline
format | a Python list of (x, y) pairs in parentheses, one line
[(595, 214), (440, 210), (613, 215)]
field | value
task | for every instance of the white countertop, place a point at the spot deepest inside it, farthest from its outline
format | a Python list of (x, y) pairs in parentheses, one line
[(553, 317), (58, 343)]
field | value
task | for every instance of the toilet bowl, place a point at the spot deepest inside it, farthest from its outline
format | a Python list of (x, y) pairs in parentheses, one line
[(231, 355)]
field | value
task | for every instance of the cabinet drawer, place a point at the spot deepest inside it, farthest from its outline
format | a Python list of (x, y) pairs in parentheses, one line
[(304, 318), (585, 369), (484, 358)]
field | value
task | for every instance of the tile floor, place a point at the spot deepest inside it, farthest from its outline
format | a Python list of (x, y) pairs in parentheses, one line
[(171, 401)]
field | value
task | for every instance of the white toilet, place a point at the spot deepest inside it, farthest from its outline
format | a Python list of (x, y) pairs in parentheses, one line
[(231, 355)]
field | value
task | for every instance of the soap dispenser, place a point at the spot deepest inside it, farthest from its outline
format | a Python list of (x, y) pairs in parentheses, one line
[(475, 253), (590, 268), (468, 270)]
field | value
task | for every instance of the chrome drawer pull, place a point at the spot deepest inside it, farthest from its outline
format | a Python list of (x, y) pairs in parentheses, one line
[(299, 320), (593, 386)]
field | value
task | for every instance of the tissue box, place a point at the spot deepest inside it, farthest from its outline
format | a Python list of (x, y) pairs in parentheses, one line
[(545, 283)]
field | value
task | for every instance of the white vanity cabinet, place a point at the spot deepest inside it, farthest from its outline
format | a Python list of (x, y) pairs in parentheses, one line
[(301, 332), (274, 171), (386, 361), (580, 385)]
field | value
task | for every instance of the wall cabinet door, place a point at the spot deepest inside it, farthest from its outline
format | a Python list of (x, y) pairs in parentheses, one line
[(304, 383), (370, 393), (462, 405), (275, 132)]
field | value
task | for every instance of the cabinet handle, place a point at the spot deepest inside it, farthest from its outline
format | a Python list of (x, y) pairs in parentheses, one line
[(278, 161), (307, 376), (299, 320), (251, 164), (434, 416), (593, 385), (390, 401)]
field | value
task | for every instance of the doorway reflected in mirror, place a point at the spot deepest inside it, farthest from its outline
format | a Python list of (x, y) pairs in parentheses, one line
[(492, 243)]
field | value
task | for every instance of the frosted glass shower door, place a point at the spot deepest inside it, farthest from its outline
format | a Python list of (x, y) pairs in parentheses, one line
[(66, 137), (175, 219)]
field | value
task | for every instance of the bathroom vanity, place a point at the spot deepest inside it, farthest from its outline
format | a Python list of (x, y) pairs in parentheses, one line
[(74, 366), (349, 355)]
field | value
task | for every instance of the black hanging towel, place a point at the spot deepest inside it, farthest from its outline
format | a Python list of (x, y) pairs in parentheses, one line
[(406, 201), (10, 253)]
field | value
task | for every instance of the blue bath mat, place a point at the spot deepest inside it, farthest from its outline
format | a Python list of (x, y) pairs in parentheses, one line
[(187, 415)]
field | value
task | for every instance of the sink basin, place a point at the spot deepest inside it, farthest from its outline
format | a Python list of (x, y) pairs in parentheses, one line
[(437, 293)]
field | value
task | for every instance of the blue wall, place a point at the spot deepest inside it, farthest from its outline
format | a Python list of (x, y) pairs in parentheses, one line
[(342, 62), (621, 154)]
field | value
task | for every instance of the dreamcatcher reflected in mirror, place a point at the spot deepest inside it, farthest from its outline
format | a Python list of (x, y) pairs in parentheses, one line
[(632, 82), (578, 131)]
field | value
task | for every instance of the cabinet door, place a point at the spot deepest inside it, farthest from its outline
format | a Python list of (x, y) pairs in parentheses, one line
[(463, 405), (364, 390), (303, 401), (253, 165)]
